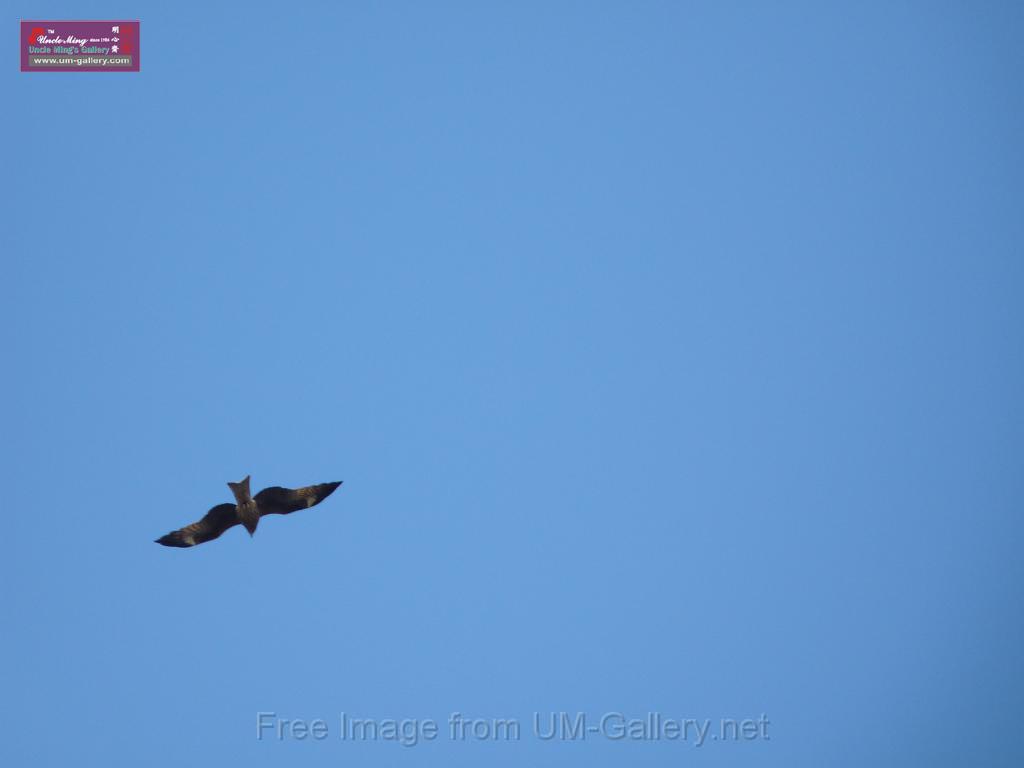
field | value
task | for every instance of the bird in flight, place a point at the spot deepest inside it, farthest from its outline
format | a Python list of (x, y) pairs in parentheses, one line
[(247, 510)]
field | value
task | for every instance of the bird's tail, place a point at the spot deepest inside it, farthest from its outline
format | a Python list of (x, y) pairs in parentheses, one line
[(241, 490)]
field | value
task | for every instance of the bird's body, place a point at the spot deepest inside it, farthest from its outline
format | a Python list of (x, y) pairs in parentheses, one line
[(245, 507), (247, 511)]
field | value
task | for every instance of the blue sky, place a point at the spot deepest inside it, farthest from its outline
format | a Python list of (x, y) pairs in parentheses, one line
[(671, 354)]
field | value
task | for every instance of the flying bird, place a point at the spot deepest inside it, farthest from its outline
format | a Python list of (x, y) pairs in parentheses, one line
[(247, 510)]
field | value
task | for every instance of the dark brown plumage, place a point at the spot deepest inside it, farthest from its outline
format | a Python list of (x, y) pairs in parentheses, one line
[(247, 511)]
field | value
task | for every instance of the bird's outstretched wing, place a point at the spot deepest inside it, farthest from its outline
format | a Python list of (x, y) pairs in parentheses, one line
[(213, 524), (276, 500)]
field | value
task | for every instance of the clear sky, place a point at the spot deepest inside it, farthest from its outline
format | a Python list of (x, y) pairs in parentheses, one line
[(671, 354)]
